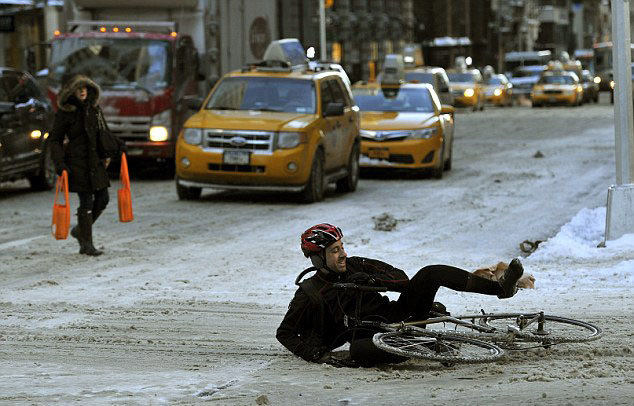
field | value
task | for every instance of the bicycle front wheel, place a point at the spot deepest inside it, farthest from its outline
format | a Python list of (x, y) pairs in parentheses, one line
[(544, 329), (437, 346)]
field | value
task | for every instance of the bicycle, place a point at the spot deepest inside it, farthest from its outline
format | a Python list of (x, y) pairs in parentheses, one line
[(472, 338)]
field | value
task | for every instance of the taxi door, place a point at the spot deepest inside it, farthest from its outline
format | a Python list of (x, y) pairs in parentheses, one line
[(333, 127), (350, 121)]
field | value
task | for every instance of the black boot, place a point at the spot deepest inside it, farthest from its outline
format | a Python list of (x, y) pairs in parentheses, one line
[(85, 219), (508, 281), (74, 232)]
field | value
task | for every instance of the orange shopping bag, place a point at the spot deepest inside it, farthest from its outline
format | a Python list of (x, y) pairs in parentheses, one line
[(61, 212), (124, 195)]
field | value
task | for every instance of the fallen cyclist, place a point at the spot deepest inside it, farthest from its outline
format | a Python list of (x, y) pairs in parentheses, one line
[(315, 323)]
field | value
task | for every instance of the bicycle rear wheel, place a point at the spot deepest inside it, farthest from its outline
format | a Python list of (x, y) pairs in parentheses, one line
[(437, 346), (546, 330)]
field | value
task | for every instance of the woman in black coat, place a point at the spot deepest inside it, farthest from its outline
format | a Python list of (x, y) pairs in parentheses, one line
[(77, 141)]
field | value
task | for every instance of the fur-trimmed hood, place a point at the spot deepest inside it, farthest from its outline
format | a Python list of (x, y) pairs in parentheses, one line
[(69, 88)]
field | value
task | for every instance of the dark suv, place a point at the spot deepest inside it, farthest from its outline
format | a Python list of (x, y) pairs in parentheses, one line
[(26, 117)]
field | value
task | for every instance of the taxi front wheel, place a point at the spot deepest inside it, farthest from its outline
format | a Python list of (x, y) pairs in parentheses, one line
[(315, 188), (349, 183)]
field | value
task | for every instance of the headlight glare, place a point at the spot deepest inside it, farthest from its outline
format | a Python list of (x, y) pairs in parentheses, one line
[(193, 136), (497, 92), (597, 80), (469, 93), (158, 133)]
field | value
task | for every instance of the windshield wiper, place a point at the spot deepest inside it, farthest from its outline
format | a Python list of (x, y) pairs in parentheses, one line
[(265, 109), (222, 108)]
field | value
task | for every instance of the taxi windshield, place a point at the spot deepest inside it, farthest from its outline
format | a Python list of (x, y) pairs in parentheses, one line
[(556, 80), (264, 94), (495, 81), (462, 77), (419, 77), (394, 99)]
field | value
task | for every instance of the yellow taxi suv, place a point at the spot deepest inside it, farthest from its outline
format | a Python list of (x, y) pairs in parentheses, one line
[(273, 126), (467, 88), (404, 126), (557, 87), (499, 90)]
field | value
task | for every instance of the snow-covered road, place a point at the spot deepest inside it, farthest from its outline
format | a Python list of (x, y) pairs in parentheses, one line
[(183, 307)]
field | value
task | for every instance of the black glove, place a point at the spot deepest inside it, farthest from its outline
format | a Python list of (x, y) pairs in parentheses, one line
[(340, 362), (361, 278), (318, 354)]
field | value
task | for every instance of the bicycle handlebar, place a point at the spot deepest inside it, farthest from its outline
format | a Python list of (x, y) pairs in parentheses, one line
[(354, 286)]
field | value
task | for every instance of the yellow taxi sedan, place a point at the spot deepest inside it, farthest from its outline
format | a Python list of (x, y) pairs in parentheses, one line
[(404, 126), (498, 90), (557, 87)]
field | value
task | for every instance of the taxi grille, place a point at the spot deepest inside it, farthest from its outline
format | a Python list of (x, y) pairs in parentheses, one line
[(237, 168), (401, 158), (130, 127), (242, 140), (552, 91)]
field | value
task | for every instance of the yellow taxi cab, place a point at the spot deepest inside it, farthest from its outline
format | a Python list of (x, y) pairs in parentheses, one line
[(467, 88), (273, 126), (404, 126), (557, 87), (499, 90)]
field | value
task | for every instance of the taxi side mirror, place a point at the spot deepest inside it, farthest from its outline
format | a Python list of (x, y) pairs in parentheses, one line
[(447, 109), (333, 109), (193, 102)]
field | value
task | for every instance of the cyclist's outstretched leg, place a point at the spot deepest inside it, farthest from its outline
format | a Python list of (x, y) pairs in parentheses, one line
[(419, 295)]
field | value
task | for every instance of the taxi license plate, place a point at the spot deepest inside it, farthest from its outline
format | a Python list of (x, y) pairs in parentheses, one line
[(379, 153), (236, 157)]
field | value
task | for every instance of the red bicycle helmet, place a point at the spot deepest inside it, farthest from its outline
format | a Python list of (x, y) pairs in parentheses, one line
[(318, 237)]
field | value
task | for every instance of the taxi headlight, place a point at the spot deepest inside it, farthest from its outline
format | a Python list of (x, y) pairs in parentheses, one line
[(193, 136), (288, 140), (497, 92), (611, 84), (159, 133), (597, 80), (424, 133), (469, 93), (579, 89)]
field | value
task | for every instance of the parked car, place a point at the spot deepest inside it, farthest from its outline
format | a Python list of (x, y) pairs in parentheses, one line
[(590, 87), (26, 117), (436, 77)]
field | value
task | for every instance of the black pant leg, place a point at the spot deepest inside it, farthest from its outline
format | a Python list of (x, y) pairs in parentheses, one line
[(102, 198), (418, 297), (366, 354), (86, 202)]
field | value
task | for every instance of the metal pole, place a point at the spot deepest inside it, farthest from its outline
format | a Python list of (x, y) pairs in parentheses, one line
[(622, 57), (322, 31), (620, 206)]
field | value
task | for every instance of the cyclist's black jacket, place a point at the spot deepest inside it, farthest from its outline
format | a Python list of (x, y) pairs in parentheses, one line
[(307, 332)]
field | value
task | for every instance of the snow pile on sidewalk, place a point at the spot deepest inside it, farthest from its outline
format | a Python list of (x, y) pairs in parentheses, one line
[(572, 260)]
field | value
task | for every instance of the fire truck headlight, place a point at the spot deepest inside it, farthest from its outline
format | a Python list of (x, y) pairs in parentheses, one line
[(158, 133)]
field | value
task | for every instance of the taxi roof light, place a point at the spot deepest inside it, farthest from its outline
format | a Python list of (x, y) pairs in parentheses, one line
[(393, 70), (285, 53)]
